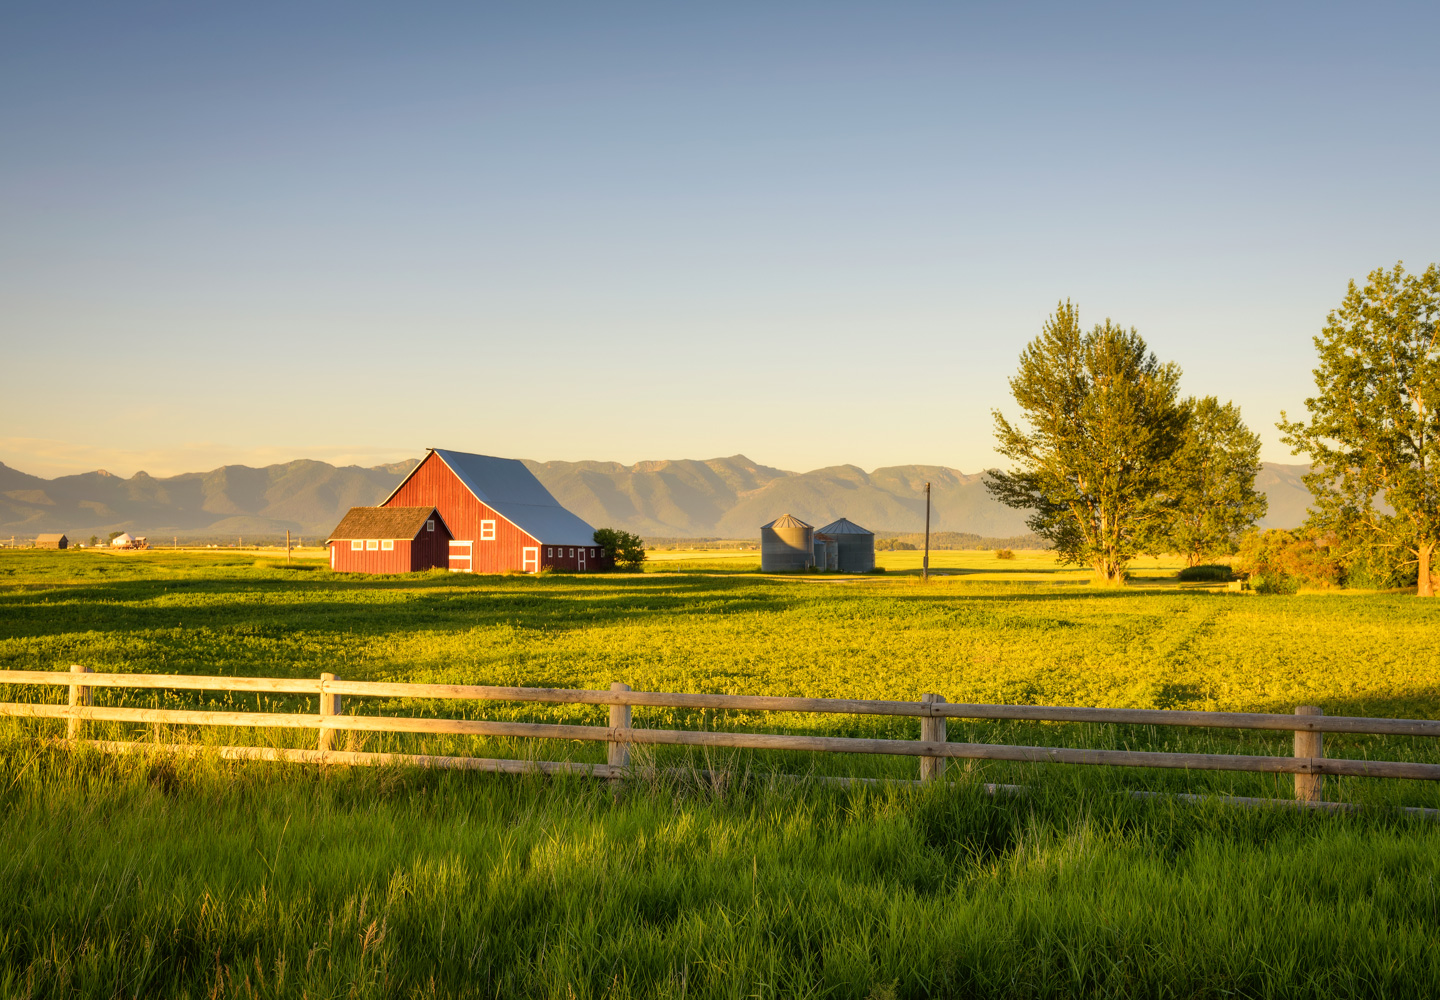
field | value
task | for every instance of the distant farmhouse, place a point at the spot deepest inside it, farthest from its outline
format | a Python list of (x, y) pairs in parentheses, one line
[(496, 518), (52, 542)]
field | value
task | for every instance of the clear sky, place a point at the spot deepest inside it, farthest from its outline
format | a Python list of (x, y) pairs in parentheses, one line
[(811, 233)]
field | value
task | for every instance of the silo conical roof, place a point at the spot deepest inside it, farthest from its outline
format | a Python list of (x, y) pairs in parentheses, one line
[(844, 526), (785, 521)]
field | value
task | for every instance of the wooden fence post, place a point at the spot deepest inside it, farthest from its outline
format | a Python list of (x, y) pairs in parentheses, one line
[(1309, 787), (618, 754), (932, 730), (329, 705), (80, 697)]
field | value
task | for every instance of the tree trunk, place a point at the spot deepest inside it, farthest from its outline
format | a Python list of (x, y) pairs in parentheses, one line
[(1427, 582), (1109, 571)]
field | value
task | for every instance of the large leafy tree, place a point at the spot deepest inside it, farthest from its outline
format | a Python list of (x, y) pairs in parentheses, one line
[(1092, 465), (1373, 437), (1213, 479)]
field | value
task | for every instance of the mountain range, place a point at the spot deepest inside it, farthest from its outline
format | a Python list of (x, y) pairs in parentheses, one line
[(716, 498)]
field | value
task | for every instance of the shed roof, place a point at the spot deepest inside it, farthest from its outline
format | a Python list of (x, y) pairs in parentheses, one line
[(786, 521), (844, 526), (49, 538), (402, 523), (507, 487)]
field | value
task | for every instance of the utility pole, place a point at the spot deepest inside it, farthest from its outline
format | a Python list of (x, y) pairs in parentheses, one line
[(925, 563), (287, 546)]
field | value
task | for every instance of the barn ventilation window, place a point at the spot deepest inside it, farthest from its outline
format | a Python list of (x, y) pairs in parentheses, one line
[(356, 545), (572, 553), (430, 525), (549, 553), (487, 531), (387, 545)]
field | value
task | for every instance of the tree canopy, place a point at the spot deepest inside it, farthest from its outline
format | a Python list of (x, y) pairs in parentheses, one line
[(1213, 479), (625, 549), (1373, 436), (1093, 466)]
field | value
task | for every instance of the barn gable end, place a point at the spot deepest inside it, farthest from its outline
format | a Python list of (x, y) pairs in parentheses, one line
[(502, 519)]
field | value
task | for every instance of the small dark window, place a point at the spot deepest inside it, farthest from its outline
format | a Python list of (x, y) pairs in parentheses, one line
[(430, 525), (549, 552)]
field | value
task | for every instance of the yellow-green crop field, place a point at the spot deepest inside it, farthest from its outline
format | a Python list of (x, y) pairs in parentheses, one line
[(148, 876)]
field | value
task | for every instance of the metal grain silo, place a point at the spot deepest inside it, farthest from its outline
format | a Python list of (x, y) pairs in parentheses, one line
[(786, 543), (856, 545), (827, 553)]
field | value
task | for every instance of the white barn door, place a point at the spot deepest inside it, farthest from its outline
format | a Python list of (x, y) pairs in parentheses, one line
[(461, 557)]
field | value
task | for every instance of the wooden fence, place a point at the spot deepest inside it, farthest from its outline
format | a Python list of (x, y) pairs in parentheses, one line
[(1309, 764)]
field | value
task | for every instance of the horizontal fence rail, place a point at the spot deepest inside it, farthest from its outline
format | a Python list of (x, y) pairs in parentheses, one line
[(1308, 765), (748, 703)]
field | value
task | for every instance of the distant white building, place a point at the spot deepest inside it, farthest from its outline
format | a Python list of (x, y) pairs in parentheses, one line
[(124, 540)]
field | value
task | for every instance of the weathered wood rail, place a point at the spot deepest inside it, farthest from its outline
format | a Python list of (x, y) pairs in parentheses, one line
[(1309, 765)]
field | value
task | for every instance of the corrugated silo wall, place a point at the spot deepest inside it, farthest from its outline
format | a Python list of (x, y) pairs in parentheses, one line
[(783, 549), (857, 553)]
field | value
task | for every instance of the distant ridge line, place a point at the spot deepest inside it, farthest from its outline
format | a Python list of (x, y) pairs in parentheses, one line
[(671, 498)]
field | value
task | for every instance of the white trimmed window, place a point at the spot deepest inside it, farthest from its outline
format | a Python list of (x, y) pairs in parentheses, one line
[(592, 553), (572, 553), (356, 545), (487, 531), (549, 553), (387, 544), (430, 525), (371, 544)]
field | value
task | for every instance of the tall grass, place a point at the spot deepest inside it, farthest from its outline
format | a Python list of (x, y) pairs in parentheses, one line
[(148, 876)]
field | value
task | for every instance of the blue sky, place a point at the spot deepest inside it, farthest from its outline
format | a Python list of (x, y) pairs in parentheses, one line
[(811, 233)]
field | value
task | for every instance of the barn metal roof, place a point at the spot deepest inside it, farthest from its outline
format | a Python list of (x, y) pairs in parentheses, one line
[(400, 523), (513, 492), (786, 521), (844, 526)]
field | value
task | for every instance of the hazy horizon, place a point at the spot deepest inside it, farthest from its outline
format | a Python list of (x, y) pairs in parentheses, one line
[(810, 234)]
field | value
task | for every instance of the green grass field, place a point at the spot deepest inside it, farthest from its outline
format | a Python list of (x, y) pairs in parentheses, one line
[(146, 876)]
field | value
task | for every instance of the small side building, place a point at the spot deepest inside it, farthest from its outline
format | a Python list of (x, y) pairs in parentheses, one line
[(389, 540), (52, 542), (786, 544), (855, 547)]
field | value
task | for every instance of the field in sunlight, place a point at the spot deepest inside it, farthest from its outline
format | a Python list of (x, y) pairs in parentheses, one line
[(149, 876)]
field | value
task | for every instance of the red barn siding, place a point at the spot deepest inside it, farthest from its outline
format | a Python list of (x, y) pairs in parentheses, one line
[(431, 549), (343, 559)]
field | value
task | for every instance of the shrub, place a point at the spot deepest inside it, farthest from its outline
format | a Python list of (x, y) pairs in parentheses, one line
[(1004, 554), (1275, 583), (1380, 569), (1208, 573), (625, 549), (1312, 560)]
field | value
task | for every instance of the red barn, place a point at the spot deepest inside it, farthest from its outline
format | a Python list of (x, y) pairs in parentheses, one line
[(389, 540), (500, 517)]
